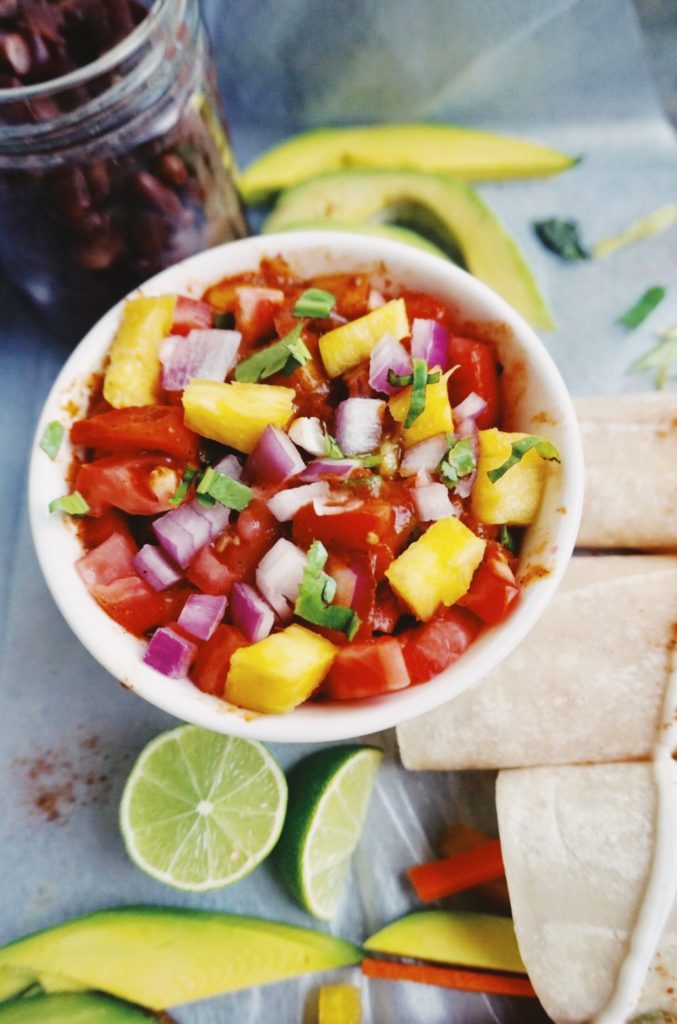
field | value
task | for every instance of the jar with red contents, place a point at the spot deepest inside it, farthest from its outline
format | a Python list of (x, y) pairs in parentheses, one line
[(114, 159)]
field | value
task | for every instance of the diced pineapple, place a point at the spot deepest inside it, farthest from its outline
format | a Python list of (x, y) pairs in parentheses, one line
[(436, 418), (340, 1004), (133, 373), (516, 496), (236, 414), (277, 673), (350, 344), (437, 568)]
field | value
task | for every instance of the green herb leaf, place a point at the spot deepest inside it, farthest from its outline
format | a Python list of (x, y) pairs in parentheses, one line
[(663, 357), (284, 356), (459, 461), (638, 313), (317, 591), (333, 447), (224, 489), (562, 238), (404, 380), (52, 437), (418, 385), (370, 461), (508, 539), (224, 321), (181, 491), (315, 303), (519, 449), (74, 504)]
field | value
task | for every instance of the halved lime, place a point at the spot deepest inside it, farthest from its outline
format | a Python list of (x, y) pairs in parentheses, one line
[(328, 796), (201, 810)]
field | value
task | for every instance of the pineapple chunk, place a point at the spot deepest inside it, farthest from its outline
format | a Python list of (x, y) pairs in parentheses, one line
[(277, 673), (236, 414), (350, 344), (340, 1004), (436, 418), (133, 373), (514, 498), (437, 568)]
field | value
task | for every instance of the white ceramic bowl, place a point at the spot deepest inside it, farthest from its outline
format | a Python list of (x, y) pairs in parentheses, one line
[(537, 401)]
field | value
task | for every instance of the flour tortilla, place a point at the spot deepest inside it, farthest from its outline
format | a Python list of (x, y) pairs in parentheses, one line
[(630, 449), (586, 685), (577, 845)]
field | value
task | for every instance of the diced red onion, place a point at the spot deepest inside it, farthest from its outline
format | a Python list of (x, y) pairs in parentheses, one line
[(423, 477), (169, 653), (468, 428), (274, 459), (190, 518), (176, 540), (285, 504), (207, 353), (250, 613), (186, 529), (430, 341), (318, 468), (388, 354), (375, 299), (217, 516), (201, 614), (279, 575), (425, 455), (153, 567), (359, 425), (230, 466), (470, 408), (332, 507), (432, 502), (346, 579), (308, 433)]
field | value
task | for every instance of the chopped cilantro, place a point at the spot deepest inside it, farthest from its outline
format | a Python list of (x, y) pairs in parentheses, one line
[(52, 437), (562, 238), (284, 356), (224, 489), (317, 591), (315, 303), (420, 378), (181, 491), (507, 538), (403, 380), (333, 447), (74, 504), (519, 449), (459, 461), (645, 305)]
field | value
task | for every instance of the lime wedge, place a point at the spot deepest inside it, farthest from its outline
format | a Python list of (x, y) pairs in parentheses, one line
[(328, 796), (201, 810)]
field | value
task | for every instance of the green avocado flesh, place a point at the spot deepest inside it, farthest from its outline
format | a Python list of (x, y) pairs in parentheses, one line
[(438, 148), (71, 1008), (452, 937), (444, 209), (160, 957), (391, 231)]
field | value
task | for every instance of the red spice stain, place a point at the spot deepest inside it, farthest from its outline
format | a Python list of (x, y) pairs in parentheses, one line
[(533, 572), (545, 417)]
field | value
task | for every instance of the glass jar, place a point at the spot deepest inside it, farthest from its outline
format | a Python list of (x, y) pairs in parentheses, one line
[(115, 170)]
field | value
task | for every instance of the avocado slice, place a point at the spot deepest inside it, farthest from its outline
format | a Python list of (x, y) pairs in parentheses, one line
[(445, 209), (159, 956), (452, 937), (74, 1008), (391, 231), (452, 149)]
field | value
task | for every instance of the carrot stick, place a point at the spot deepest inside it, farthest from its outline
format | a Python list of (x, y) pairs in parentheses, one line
[(454, 874), (449, 977)]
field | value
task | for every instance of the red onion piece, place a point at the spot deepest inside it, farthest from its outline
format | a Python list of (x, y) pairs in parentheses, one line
[(308, 433), (201, 614), (388, 354), (250, 613), (318, 468), (285, 504), (430, 341), (470, 408), (209, 353), (176, 540), (230, 466), (184, 530), (375, 299), (346, 579), (279, 575), (274, 459), (468, 428), (169, 653), (153, 567), (432, 502), (217, 517), (359, 425), (425, 455)]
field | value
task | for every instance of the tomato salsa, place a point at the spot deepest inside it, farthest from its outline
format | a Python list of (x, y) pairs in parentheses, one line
[(300, 489)]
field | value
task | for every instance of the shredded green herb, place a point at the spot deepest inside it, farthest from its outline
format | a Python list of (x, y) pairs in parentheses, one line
[(315, 303), (562, 238), (224, 321), (333, 447), (284, 356), (507, 538), (316, 593), (52, 437), (662, 357), (519, 449), (418, 386), (74, 504), (404, 380), (459, 461), (638, 313), (370, 461), (181, 491), (224, 489)]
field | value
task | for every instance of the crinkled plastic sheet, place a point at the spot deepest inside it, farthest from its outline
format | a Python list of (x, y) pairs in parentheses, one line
[(571, 73)]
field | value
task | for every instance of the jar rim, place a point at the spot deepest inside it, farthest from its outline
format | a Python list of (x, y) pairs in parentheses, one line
[(106, 62)]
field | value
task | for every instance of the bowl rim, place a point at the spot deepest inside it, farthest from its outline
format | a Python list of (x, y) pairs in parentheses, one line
[(314, 722)]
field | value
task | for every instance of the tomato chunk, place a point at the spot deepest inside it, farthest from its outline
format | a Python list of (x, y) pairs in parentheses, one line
[(425, 307), (478, 371), (137, 607), (190, 315), (370, 527), (367, 669), (94, 531), (387, 611), (213, 661), (139, 428), (208, 573), (111, 560), (430, 648), (141, 485), (493, 590)]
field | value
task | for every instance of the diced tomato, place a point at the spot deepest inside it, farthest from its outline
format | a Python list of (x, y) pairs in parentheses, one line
[(367, 669), (430, 648), (139, 428), (111, 560), (208, 573), (478, 371), (255, 310), (138, 484), (137, 607), (94, 530), (387, 610), (425, 307), (493, 590), (213, 661), (370, 528), (190, 315)]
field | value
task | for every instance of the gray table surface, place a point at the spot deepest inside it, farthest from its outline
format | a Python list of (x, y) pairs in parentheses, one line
[(572, 74)]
